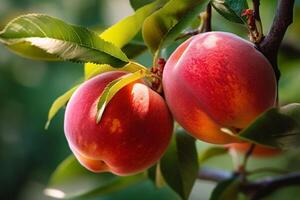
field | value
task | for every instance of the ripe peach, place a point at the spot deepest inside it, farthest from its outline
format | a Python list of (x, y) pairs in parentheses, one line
[(259, 150), (217, 80), (133, 133)]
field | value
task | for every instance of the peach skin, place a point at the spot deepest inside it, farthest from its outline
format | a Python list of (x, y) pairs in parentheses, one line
[(217, 81), (133, 133)]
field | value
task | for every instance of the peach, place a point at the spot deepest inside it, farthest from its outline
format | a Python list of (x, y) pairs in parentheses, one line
[(133, 133), (258, 151), (215, 82)]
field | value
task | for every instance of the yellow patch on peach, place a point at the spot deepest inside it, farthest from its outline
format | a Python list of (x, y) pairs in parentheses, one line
[(116, 126), (207, 128), (92, 147)]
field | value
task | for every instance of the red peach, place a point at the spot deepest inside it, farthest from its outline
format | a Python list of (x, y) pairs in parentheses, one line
[(217, 80), (133, 133)]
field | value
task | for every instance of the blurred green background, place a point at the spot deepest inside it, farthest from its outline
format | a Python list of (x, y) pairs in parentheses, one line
[(28, 153)]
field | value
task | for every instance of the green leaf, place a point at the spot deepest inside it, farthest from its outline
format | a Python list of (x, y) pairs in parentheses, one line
[(56, 38), (136, 4), (155, 175), (165, 24), (212, 152), (113, 87), (231, 9), (71, 180), (133, 49), (58, 104), (92, 70), (124, 31), (226, 190), (277, 127), (151, 173), (179, 165), (25, 49)]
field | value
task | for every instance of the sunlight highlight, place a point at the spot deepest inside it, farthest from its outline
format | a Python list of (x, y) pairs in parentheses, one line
[(54, 193)]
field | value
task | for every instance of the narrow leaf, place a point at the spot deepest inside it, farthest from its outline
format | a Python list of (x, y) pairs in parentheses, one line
[(226, 190), (277, 127), (159, 179), (92, 70), (155, 175), (211, 152), (136, 4), (151, 173), (179, 165), (133, 49), (58, 104), (57, 38), (187, 20), (231, 9), (113, 87), (71, 180), (176, 14), (124, 31)]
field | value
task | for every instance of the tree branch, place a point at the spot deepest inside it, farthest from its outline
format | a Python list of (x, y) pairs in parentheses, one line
[(256, 189), (265, 187), (214, 175), (271, 43), (248, 154)]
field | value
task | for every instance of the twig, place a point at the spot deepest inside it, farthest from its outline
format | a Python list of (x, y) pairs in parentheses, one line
[(259, 35), (247, 155), (214, 175), (268, 170), (256, 13), (242, 170), (187, 34), (271, 43), (207, 22)]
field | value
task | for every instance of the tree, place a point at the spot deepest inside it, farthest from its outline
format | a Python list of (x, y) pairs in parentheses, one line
[(162, 23)]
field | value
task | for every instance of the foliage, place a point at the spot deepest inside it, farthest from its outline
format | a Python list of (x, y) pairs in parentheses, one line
[(179, 165), (231, 10), (227, 190), (55, 38), (277, 127)]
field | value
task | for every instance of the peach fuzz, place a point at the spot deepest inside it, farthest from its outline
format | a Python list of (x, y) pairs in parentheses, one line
[(217, 80), (258, 151), (133, 133)]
